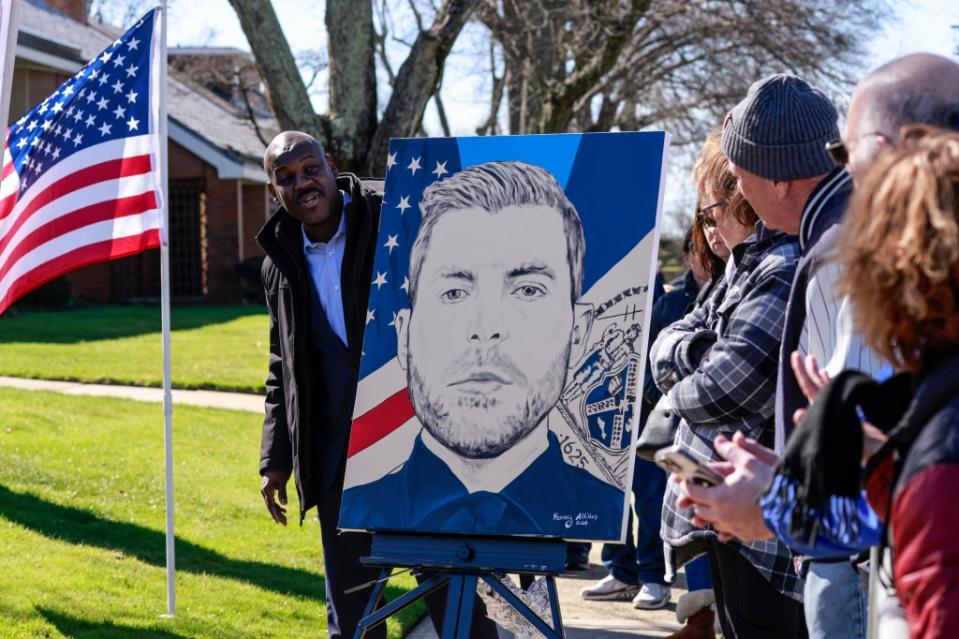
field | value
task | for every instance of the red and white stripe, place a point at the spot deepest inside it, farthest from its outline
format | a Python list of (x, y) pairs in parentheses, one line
[(98, 204), (384, 425)]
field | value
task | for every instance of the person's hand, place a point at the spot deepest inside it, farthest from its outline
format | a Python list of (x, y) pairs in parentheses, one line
[(811, 378), (274, 481), (732, 507)]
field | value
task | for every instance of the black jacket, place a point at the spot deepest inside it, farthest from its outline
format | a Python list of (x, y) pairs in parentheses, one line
[(294, 437), (667, 308)]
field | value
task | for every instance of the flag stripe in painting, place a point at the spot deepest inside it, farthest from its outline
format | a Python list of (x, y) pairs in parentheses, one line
[(381, 421)]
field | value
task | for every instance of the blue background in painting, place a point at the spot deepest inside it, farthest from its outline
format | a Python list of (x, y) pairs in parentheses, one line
[(612, 179)]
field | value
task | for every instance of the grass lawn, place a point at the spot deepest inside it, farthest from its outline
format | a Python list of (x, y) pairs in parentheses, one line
[(219, 347), (82, 527)]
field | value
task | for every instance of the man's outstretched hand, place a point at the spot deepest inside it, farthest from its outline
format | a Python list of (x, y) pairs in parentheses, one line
[(274, 481)]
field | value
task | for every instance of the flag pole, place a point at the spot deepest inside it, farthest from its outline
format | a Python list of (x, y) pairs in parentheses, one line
[(165, 318), (9, 28)]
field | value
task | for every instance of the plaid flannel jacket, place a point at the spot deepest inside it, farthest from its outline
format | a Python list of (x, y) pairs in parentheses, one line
[(732, 387)]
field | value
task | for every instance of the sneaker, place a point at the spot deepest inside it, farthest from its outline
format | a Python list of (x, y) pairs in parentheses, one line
[(651, 597), (609, 589)]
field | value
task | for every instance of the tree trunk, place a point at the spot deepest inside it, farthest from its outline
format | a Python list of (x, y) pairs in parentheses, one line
[(352, 80), (417, 78), (287, 93)]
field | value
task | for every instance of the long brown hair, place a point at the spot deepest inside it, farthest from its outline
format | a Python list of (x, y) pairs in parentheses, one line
[(716, 183)]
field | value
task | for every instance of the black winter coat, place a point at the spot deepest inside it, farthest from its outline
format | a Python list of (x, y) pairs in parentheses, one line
[(294, 437)]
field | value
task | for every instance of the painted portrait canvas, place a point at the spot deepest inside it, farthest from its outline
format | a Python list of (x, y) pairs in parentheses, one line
[(505, 340)]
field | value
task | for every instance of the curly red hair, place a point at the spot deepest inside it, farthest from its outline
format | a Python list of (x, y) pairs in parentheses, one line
[(900, 249)]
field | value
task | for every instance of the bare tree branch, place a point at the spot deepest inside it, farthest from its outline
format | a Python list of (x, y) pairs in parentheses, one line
[(250, 114), (379, 39), (416, 14), (418, 76), (674, 64), (314, 62), (440, 109), (499, 84), (287, 94), (617, 31)]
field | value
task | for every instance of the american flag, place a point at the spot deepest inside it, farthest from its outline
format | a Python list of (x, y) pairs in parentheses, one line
[(81, 181)]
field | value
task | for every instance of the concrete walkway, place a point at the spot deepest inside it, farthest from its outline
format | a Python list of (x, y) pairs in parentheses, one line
[(204, 398), (582, 619)]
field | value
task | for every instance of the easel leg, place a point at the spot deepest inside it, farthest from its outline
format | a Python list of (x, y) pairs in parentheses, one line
[(374, 601), (467, 599), (368, 621), (377, 593), (554, 606), (453, 595)]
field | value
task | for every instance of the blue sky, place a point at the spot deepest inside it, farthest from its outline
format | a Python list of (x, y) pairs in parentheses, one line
[(923, 25)]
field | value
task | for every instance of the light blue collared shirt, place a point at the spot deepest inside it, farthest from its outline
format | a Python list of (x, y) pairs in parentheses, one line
[(324, 261)]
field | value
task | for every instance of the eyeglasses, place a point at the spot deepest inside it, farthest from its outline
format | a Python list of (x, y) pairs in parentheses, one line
[(839, 152), (705, 213)]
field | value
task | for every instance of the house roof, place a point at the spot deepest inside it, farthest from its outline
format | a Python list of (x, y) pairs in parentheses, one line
[(211, 51), (206, 125)]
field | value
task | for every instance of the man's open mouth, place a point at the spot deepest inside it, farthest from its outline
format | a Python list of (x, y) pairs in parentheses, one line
[(309, 199)]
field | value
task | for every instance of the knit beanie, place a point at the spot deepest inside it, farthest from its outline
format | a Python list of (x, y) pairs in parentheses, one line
[(780, 129)]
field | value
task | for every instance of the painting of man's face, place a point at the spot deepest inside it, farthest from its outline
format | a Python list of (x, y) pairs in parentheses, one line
[(504, 346), (487, 343)]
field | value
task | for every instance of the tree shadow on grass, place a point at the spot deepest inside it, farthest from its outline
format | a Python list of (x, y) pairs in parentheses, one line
[(78, 526), (77, 628), (111, 322)]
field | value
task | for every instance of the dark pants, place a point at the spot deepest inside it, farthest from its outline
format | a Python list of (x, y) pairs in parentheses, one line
[(341, 559), (749, 607), (641, 562)]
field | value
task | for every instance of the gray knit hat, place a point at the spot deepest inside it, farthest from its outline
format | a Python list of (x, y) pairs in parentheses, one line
[(780, 130)]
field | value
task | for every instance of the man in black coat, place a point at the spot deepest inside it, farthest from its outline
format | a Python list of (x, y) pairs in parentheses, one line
[(319, 249)]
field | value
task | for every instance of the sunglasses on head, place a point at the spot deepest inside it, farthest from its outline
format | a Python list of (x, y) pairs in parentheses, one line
[(838, 150)]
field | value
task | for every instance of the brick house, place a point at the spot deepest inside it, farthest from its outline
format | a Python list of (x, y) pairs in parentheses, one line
[(218, 195)]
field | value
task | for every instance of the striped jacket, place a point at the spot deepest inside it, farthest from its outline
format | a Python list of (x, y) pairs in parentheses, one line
[(818, 321), (719, 365)]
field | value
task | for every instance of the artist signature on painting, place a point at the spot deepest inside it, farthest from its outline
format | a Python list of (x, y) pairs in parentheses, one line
[(579, 519)]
